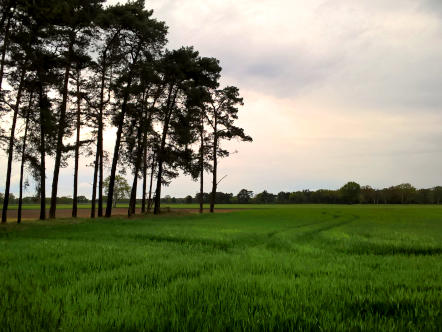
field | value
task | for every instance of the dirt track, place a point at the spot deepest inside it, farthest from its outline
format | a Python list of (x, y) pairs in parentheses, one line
[(34, 214)]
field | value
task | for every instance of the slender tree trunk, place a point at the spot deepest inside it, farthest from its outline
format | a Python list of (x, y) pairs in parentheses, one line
[(94, 184), (160, 156), (22, 165), (118, 139), (133, 194), (98, 166), (202, 166), (215, 166), (114, 163), (101, 169), (117, 151), (156, 209), (11, 147), (141, 152), (143, 200), (149, 201), (77, 149), (201, 191), (60, 135), (100, 148), (42, 155), (100, 142)]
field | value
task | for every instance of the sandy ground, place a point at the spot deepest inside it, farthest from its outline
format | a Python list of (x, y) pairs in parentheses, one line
[(34, 214)]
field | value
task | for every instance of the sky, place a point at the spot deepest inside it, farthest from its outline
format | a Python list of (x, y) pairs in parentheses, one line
[(334, 91)]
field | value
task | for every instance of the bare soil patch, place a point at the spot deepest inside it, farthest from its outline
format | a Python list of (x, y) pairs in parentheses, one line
[(34, 214)]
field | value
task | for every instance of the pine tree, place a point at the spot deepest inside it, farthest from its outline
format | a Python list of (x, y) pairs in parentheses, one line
[(142, 38), (222, 115)]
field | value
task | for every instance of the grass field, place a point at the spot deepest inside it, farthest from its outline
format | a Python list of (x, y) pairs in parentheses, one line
[(304, 267)]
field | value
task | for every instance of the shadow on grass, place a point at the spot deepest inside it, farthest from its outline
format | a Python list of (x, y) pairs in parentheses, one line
[(391, 250), (219, 245)]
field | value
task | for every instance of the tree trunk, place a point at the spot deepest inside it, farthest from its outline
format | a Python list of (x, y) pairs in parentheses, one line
[(141, 153), (42, 156), (101, 169), (160, 156), (117, 151), (202, 166), (60, 134), (118, 139), (77, 149), (100, 143), (22, 165), (133, 193), (156, 209), (98, 166), (11, 147), (215, 166), (94, 184), (143, 200), (201, 191), (149, 201), (100, 121), (115, 161)]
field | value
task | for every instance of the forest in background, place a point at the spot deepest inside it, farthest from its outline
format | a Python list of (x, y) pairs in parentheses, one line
[(350, 193)]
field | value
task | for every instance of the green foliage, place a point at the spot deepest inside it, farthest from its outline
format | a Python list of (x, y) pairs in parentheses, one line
[(264, 197), (332, 268), (244, 196), (121, 189), (350, 192)]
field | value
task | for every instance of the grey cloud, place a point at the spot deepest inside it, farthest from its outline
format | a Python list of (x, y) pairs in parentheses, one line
[(286, 77), (358, 62), (433, 6)]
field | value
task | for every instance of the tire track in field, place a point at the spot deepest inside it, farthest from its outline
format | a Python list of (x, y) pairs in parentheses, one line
[(316, 231), (257, 239), (272, 234), (214, 244), (306, 236), (268, 239), (311, 234)]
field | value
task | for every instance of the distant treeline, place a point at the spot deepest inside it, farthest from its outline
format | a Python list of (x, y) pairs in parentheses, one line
[(351, 193)]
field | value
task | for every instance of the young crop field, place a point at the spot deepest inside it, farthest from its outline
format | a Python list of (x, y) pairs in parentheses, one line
[(291, 267)]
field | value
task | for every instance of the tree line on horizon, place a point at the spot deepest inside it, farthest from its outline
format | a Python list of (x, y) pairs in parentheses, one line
[(351, 193), (70, 67)]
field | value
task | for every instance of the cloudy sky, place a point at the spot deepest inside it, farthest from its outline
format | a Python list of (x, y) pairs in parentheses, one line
[(335, 90)]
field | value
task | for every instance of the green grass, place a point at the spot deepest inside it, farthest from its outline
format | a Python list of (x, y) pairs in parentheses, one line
[(305, 267)]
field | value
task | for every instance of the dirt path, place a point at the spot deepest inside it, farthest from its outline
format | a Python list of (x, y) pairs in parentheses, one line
[(34, 214)]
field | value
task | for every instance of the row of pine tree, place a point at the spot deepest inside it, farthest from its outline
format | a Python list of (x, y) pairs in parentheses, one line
[(74, 68)]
